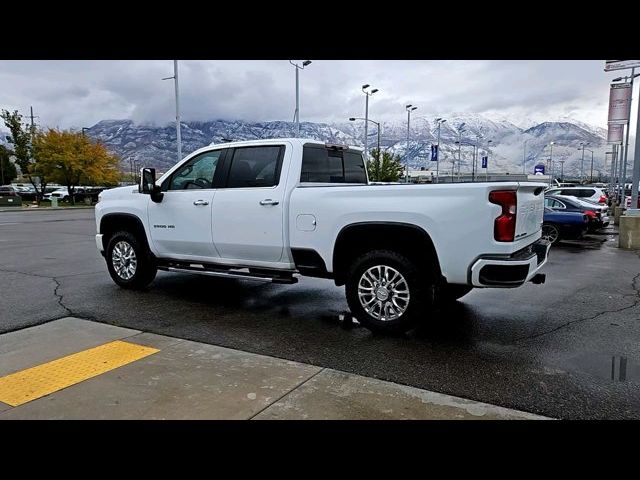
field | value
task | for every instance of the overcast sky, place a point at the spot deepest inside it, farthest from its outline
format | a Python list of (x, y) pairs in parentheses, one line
[(81, 93)]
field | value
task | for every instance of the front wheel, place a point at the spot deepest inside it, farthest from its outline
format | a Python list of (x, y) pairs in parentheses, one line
[(387, 292), (129, 262)]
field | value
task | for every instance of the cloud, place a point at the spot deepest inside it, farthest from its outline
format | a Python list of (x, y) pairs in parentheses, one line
[(80, 93)]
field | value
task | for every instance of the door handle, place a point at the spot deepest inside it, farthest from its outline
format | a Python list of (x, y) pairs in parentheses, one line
[(201, 202), (268, 201)]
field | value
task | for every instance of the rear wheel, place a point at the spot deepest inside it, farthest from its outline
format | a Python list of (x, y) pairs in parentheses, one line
[(129, 261), (550, 233), (387, 292)]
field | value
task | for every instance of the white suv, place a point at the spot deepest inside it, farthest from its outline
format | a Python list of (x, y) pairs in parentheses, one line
[(593, 194)]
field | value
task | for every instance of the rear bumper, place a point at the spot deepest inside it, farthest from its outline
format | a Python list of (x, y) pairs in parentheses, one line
[(508, 271)]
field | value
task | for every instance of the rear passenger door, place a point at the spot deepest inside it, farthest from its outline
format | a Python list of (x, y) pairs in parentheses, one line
[(247, 216)]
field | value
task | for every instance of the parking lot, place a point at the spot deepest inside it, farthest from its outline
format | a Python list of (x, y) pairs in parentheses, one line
[(566, 349)]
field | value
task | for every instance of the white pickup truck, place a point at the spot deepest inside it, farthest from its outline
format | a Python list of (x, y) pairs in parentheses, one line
[(274, 209)]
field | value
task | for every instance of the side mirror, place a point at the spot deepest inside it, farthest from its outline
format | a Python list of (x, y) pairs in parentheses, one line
[(148, 185)]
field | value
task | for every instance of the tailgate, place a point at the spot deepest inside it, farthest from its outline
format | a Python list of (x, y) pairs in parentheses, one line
[(530, 209)]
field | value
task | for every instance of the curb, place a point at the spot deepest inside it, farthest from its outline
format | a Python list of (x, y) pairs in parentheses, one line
[(43, 209)]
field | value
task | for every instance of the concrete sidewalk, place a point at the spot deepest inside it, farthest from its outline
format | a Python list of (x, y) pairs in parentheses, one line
[(190, 380)]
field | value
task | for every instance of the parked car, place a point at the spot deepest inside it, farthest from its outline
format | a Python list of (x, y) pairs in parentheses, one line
[(563, 225), (60, 194), (9, 191), (597, 213), (584, 193), (274, 209)]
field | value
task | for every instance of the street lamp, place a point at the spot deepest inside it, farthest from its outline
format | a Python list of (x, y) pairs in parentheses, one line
[(551, 163), (460, 129), (410, 108), (623, 161), (366, 116), (83, 129), (582, 166), (177, 88), (439, 121), (367, 120), (474, 164), (582, 144), (296, 115)]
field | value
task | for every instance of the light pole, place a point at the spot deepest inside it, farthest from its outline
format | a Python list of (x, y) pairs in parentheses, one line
[(460, 129), (410, 108), (524, 158), (474, 164), (582, 166), (367, 120), (623, 163), (296, 115), (551, 163), (440, 121), (177, 88), (561, 162), (83, 129), (366, 116), (582, 144)]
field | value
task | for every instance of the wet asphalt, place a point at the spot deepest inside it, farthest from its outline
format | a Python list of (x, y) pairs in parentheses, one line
[(568, 349)]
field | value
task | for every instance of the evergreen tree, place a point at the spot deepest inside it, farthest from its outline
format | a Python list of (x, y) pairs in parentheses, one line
[(386, 169), (7, 169)]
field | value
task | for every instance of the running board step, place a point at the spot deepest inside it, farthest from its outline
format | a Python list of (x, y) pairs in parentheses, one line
[(232, 274)]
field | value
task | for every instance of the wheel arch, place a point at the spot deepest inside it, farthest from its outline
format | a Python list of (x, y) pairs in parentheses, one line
[(357, 238), (114, 222)]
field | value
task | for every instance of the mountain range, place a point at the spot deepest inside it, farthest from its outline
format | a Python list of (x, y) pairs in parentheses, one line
[(506, 144)]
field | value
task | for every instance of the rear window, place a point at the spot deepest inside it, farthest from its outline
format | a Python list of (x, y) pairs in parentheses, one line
[(579, 192), (322, 165)]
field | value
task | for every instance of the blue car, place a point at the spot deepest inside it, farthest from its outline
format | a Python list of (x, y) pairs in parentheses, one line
[(558, 226)]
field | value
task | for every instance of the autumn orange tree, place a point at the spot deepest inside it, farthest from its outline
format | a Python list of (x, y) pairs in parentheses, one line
[(70, 158)]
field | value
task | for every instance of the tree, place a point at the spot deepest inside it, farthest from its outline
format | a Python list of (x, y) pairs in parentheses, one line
[(387, 169), (21, 137), (70, 158), (7, 169)]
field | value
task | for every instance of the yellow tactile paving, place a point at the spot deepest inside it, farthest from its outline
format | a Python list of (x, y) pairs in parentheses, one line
[(35, 382)]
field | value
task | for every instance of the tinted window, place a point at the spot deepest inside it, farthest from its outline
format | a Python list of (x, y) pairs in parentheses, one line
[(255, 167), (548, 202), (197, 172), (354, 168), (332, 166)]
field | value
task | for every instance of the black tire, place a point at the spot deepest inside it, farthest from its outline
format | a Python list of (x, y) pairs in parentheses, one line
[(419, 285), (145, 270), (550, 232), (449, 293)]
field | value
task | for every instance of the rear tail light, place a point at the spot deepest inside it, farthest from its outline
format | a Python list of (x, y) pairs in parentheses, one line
[(603, 199), (591, 214), (504, 226)]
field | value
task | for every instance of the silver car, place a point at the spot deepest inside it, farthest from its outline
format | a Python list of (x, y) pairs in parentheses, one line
[(593, 194)]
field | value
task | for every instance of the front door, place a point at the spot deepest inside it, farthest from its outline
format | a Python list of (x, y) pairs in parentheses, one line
[(248, 210), (181, 223)]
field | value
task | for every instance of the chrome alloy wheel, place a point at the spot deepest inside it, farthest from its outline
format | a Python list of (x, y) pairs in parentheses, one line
[(550, 233), (124, 261), (383, 293)]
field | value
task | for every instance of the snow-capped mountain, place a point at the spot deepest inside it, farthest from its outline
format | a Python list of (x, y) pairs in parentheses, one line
[(506, 144)]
